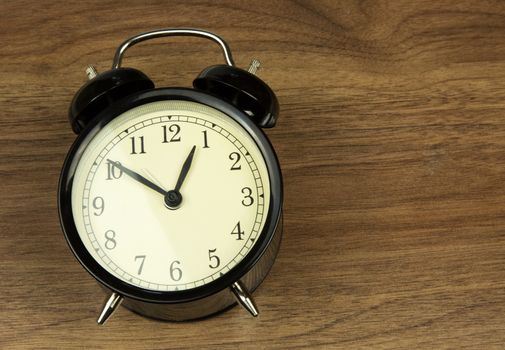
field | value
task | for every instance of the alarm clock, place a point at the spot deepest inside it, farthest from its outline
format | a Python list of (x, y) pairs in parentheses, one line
[(171, 198)]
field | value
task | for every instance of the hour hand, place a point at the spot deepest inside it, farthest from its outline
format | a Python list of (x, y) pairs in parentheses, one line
[(137, 177)]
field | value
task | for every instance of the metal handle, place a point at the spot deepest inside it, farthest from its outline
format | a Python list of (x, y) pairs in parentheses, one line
[(171, 32)]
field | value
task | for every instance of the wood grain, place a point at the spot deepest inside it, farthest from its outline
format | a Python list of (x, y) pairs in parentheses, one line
[(392, 144)]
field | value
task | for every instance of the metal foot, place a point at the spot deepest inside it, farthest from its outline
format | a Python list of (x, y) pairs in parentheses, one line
[(244, 298), (91, 72), (253, 66), (110, 305)]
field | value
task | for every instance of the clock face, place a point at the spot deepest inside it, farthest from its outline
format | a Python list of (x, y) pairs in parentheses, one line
[(170, 195)]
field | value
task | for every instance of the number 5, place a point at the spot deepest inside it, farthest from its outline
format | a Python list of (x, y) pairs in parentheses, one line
[(217, 261)]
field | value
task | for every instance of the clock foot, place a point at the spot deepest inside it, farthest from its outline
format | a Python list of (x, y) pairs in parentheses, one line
[(253, 67), (91, 72), (110, 305), (244, 298)]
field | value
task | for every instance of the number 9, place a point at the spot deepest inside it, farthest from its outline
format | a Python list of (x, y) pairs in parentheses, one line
[(99, 205)]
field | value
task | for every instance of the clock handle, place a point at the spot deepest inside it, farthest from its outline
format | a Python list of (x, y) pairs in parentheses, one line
[(118, 57), (244, 298), (110, 305)]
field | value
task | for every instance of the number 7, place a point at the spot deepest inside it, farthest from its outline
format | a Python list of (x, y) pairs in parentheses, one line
[(143, 257)]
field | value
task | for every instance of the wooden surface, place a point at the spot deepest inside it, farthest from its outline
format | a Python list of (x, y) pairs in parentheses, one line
[(392, 144)]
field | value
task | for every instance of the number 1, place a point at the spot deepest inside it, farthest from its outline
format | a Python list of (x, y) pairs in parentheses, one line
[(205, 141)]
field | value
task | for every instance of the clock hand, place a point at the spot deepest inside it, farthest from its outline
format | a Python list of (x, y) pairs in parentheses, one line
[(152, 178), (185, 169), (138, 177), (173, 198)]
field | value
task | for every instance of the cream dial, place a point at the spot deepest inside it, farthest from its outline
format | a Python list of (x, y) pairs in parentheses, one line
[(126, 225)]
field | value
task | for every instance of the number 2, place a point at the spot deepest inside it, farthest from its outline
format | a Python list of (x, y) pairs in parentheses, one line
[(235, 156)]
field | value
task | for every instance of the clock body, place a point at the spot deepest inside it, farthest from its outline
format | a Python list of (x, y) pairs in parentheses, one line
[(172, 262)]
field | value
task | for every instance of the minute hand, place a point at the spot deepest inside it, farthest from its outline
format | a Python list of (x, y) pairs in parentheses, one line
[(185, 169), (137, 177)]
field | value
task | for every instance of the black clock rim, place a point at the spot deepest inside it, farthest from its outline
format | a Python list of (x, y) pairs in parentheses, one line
[(138, 293)]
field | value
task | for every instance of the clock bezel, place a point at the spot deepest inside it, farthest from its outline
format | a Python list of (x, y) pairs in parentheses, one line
[(91, 130)]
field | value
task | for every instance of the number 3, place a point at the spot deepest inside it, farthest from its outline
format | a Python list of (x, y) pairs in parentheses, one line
[(248, 199)]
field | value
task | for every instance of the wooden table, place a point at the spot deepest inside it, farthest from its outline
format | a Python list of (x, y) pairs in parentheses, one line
[(392, 144)]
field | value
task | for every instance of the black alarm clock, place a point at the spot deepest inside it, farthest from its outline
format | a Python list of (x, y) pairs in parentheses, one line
[(171, 198)]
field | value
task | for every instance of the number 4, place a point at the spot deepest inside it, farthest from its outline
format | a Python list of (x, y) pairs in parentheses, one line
[(238, 231)]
